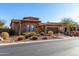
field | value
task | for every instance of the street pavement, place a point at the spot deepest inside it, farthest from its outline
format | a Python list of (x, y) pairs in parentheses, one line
[(69, 47)]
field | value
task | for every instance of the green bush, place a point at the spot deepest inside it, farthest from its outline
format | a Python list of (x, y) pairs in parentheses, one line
[(5, 35), (42, 33), (24, 33), (44, 38), (32, 33), (37, 35), (20, 38), (34, 38), (29, 34)]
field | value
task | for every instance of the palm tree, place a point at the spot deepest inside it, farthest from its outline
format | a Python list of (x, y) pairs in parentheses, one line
[(68, 23)]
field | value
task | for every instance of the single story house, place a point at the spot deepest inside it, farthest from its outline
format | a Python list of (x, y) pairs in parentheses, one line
[(33, 24)]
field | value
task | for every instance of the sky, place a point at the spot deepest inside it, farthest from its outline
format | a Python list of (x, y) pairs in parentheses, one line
[(47, 12)]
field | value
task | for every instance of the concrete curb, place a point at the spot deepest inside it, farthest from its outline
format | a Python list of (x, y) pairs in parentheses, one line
[(30, 42)]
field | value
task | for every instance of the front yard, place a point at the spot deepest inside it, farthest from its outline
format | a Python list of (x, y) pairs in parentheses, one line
[(30, 36)]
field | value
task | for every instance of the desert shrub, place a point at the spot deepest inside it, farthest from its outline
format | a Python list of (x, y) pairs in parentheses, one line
[(34, 38), (42, 33), (29, 34), (26, 36), (32, 33), (44, 37), (37, 35), (20, 38), (5, 35), (24, 33), (50, 33)]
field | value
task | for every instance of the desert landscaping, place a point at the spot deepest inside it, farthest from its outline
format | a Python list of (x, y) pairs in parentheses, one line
[(31, 29)]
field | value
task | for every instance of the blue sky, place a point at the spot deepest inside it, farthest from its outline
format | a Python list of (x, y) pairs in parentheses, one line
[(46, 12)]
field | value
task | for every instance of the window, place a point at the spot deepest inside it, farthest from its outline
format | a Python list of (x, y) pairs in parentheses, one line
[(32, 28), (29, 28)]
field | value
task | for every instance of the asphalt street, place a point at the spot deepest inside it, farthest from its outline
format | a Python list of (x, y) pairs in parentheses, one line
[(68, 47)]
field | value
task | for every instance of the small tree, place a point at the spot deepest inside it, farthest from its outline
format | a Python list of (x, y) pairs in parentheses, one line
[(1, 24), (68, 23)]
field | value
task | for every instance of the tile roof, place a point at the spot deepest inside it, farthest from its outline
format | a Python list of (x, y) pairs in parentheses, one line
[(30, 17), (53, 23)]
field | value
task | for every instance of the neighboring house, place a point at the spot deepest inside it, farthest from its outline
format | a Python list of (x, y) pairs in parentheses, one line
[(33, 24)]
